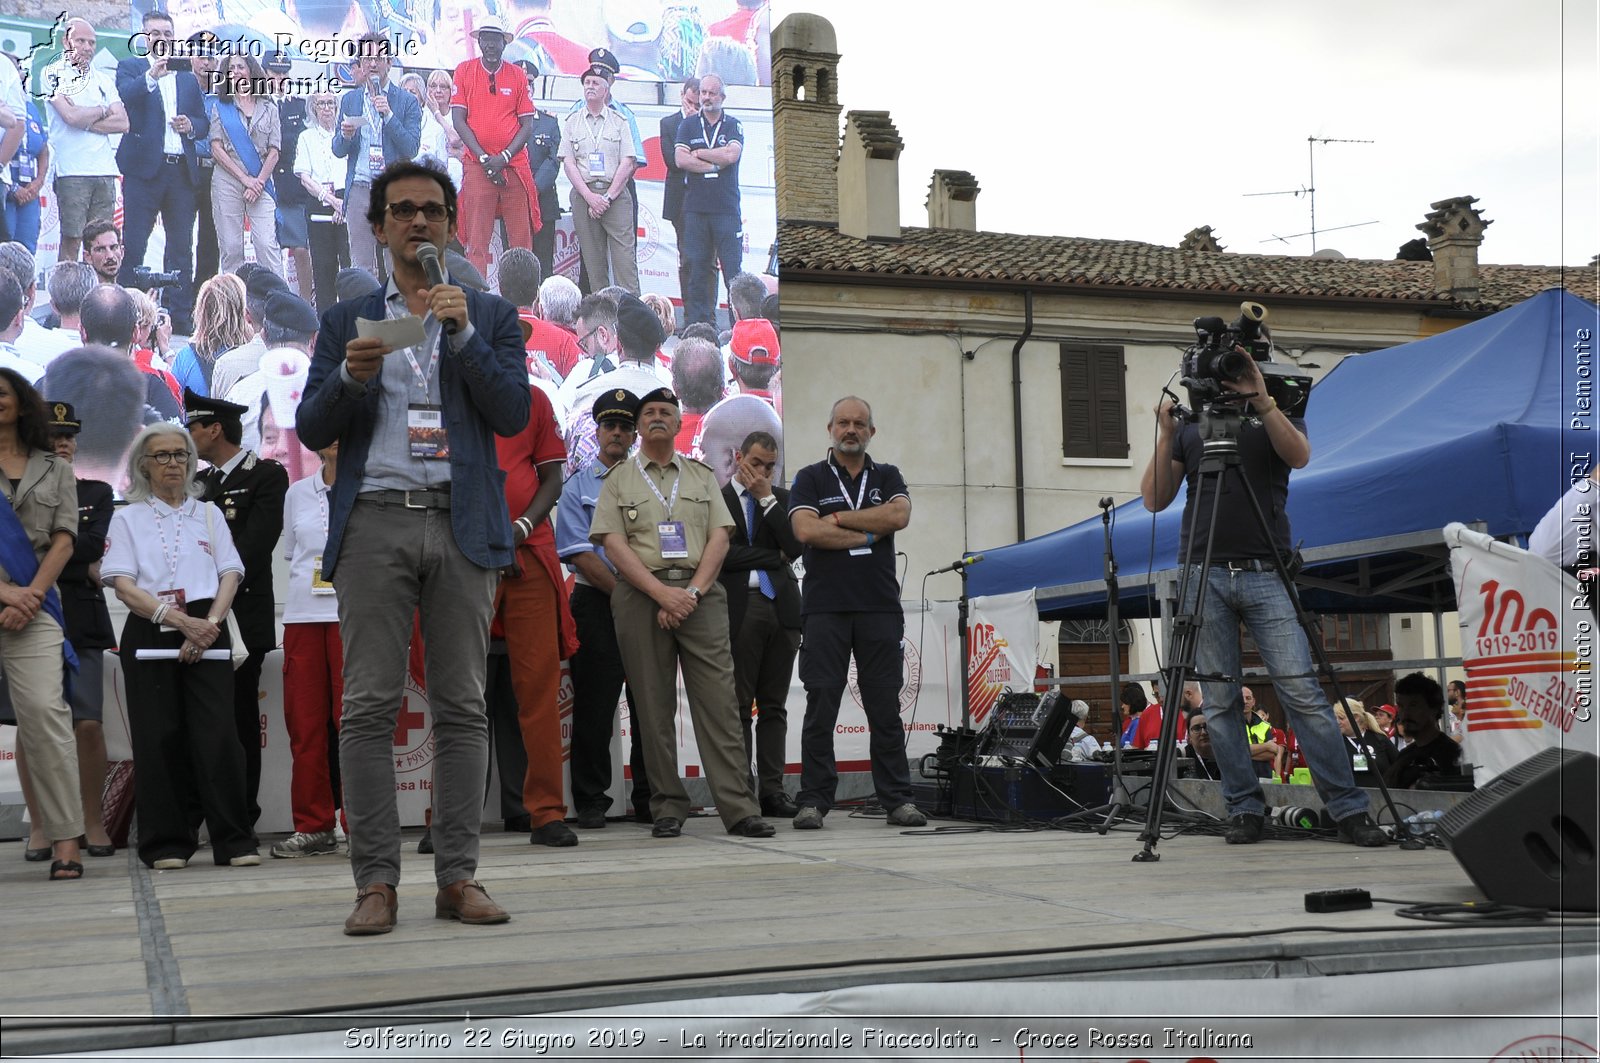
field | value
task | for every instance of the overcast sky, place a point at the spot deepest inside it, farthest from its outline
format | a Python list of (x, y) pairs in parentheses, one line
[(1141, 119)]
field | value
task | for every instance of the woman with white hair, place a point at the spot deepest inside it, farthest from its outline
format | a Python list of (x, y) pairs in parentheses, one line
[(172, 562), (1084, 745)]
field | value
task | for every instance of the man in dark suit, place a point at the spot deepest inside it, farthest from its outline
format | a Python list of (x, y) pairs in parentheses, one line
[(249, 490), (294, 202), (544, 146), (160, 170), (380, 123), (675, 183), (763, 612)]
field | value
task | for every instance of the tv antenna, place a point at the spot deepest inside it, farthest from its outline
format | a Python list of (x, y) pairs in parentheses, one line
[(1310, 190)]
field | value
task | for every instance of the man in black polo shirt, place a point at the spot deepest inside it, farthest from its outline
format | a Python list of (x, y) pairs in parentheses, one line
[(846, 510), (708, 151)]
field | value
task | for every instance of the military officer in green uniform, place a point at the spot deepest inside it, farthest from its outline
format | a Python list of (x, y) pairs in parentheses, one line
[(662, 522)]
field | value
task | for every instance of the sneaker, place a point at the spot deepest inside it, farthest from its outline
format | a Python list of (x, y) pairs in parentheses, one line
[(907, 815), (425, 846), (170, 863), (1244, 828), (808, 818), (306, 843), (245, 860), (591, 819), (1360, 830), (555, 833)]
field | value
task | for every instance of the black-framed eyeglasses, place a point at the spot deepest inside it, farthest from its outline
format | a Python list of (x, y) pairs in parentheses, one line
[(167, 457), (405, 211), (583, 341)]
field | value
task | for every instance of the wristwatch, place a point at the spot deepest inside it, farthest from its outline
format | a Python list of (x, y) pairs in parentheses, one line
[(769, 502), (694, 592)]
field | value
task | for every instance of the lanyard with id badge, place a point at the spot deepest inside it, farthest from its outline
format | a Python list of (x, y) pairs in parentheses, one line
[(711, 142), (674, 540), (861, 496), (375, 161), (173, 594), (319, 584), (1358, 762), (425, 429)]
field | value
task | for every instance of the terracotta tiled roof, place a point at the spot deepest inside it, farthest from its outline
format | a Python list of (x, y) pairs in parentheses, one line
[(1047, 261)]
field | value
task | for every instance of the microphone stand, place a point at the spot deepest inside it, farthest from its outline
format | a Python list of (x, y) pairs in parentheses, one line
[(1119, 787), (966, 660)]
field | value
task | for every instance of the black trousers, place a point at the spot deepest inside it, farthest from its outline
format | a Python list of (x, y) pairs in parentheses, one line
[(505, 735), (170, 197), (250, 725), (207, 253), (763, 662), (544, 241), (597, 682), (330, 252), (186, 752), (830, 639)]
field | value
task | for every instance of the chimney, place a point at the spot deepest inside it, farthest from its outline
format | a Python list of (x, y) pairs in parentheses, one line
[(953, 201), (1201, 239), (869, 177), (1454, 230), (805, 118)]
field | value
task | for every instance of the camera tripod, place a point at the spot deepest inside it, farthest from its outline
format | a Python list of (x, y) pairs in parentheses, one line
[(1220, 425)]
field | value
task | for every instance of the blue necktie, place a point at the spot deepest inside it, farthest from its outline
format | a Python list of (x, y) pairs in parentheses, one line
[(763, 580)]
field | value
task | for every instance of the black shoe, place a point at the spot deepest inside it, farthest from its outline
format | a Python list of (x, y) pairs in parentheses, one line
[(519, 825), (752, 827), (1244, 829), (1360, 830), (425, 846), (779, 805), (591, 819), (642, 815), (555, 833), (666, 827)]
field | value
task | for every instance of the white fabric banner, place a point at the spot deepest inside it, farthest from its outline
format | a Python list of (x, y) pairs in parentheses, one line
[(1527, 642)]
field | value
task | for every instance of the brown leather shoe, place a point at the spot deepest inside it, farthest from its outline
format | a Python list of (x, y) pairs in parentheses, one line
[(468, 902), (375, 911)]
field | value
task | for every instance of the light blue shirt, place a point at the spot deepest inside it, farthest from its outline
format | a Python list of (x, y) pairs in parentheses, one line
[(574, 515), (389, 461)]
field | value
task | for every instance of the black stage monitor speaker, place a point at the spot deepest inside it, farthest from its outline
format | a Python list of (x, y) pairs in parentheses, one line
[(1529, 837)]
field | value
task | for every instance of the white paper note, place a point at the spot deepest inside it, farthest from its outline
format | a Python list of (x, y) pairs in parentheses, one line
[(396, 332)]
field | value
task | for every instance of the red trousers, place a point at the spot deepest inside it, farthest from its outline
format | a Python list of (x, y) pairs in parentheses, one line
[(529, 615), (313, 695), (482, 201)]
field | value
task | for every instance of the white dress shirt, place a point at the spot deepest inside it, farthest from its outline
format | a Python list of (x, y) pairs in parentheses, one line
[(161, 548)]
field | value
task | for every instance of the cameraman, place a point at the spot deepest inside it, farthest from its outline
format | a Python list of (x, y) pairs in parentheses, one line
[(1241, 584)]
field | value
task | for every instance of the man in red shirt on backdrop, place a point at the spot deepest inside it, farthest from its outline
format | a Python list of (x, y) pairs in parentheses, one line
[(493, 114), (531, 609)]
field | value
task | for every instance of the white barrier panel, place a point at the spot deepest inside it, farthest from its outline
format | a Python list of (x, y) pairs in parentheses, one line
[(1527, 642)]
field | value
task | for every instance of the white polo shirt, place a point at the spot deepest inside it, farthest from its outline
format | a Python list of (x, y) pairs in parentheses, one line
[(161, 548), (311, 599), (78, 152)]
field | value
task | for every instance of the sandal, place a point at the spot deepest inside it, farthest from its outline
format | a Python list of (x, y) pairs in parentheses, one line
[(73, 871)]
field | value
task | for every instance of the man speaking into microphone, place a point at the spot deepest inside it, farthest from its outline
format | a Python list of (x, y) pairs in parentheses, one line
[(416, 521), (845, 510)]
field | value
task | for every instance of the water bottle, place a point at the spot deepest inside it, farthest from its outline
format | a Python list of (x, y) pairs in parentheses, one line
[(1424, 823)]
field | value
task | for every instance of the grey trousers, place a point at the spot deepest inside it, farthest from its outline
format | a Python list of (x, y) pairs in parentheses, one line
[(395, 561), (609, 244), (651, 657), (31, 659), (364, 249)]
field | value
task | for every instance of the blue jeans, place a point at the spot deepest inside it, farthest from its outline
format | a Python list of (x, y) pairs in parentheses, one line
[(23, 222), (1260, 601), (709, 239)]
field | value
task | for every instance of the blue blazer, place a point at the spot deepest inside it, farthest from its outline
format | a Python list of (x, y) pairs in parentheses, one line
[(141, 154), (484, 391), (402, 133)]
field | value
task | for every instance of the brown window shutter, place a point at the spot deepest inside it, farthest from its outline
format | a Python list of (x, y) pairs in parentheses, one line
[(1094, 419)]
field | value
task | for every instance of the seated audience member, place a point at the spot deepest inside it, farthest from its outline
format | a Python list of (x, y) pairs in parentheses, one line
[(669, 325), (11, 319), (220, 325), (1082, 744), (100, 379), (1384, 715), (152, 340), (260, 285), (725, 428), (1200, 746), (1457, 717), (68, 284), (1134, 704), (754, 358), (552, 350), (559, 300), (1371, 752), (697, 378), (107, 317), (1428, 751), (180, 707), (353, 282)]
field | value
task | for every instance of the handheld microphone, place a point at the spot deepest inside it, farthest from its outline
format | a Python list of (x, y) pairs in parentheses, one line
[(957, 566), (428, 259)]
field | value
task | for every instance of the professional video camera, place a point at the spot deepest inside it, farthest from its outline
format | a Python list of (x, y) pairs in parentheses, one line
[(146, 279), (1216, 356)]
